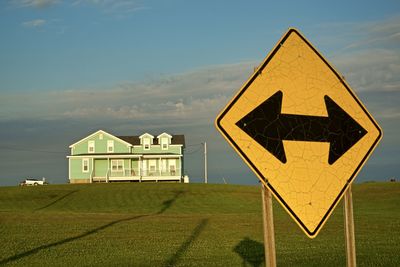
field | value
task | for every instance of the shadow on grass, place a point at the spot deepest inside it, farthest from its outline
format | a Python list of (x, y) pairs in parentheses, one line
[(165, 206), (168, 203), (57, 200), (252, 252), (185, 245)]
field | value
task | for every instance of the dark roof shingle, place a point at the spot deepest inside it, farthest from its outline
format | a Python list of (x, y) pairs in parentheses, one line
[(177, 139)]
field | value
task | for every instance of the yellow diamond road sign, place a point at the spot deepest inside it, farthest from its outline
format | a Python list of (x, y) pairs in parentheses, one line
[(301, 129)]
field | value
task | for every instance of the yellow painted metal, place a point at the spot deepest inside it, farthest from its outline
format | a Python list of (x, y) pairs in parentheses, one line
[(306, 185)]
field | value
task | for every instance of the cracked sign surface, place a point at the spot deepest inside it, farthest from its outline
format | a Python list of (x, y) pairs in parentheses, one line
[(301, 129)]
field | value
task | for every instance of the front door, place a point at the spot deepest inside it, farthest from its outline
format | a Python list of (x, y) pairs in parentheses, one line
[(100, 168)]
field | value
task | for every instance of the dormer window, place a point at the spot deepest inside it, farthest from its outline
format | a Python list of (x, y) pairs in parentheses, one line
[(91, 147), (146, 140), (164, 140), (146, 143), (164, 143)]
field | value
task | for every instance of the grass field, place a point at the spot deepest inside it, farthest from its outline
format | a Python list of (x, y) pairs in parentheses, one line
[(183, 225)]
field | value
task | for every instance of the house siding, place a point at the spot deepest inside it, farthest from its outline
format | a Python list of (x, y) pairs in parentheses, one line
[(156, 149), (101, 145), (100, 168), (76, 169)]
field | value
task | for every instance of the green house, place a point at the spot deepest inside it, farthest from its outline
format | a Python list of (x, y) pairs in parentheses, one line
[(103, 157)]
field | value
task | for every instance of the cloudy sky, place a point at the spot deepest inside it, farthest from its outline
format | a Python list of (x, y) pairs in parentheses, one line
[(69, 68)]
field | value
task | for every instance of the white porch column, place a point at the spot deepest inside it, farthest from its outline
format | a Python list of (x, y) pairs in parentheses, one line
[(108, 167), (159, 166)]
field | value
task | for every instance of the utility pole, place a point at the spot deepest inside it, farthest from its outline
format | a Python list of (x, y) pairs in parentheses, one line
[(205, 163)]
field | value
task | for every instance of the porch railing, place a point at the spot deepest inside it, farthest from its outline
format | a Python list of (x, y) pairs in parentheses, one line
[(124, 173), (136, 173), (161, 172)]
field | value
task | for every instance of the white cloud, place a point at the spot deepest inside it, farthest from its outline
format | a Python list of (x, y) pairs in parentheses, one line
[(113, 6), (371, 69), (34, 23), (190, 98), (35, 3), (370, 55)]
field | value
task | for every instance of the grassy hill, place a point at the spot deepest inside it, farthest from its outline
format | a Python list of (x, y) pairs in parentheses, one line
[(183, 225)]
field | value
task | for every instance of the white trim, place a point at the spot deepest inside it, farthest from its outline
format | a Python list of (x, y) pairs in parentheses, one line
[(83, 165), (161, 156), (69, 169), (104, 156), (118, 161), (140, 166), (146, 134), (103, 132), (158, 145), (164, 133)]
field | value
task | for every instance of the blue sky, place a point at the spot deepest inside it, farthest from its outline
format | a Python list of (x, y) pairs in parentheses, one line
[(68, 68)]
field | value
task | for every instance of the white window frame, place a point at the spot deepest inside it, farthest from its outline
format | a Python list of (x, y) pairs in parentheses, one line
[(119, 163), (172, 163), (101, 136), (164, 141), (110, 146), (85, 162), (164, 165), (91, 144), (146, 143), (152, 163)]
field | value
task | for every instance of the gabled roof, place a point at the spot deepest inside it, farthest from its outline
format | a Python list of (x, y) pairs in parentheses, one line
[(98, 132), (146, 134), (164, 134), (177, 139)]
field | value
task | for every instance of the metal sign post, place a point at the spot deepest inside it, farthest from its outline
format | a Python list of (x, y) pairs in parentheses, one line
[(349, 229), (269, 233)]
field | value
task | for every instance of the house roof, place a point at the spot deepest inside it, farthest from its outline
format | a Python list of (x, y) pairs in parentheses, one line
[(164, 133), (146, 134), (178, 139)]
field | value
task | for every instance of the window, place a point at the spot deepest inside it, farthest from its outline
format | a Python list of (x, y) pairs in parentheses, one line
[(146, 143), (85, 165), (172, 166), (164, 143), (117, 165), (164, 165), (91, 147), (110, 146), (101, 136), (152, 166)]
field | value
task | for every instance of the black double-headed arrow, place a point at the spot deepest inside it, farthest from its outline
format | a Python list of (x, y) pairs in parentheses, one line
[(269, 127)]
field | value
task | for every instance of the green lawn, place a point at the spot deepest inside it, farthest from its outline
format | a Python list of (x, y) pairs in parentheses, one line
[(134, 224)]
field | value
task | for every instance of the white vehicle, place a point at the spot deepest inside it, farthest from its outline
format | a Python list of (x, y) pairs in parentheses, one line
[(31, 181)]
